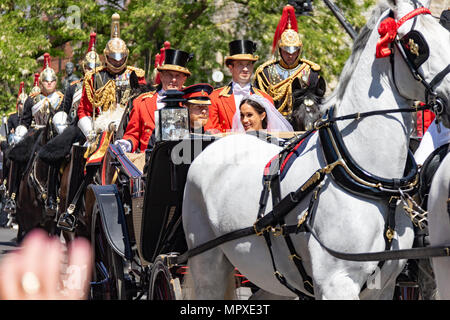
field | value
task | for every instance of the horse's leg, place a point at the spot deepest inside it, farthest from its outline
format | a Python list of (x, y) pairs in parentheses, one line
[(212, 276), (439, 225), (381, 284), (211, 271)]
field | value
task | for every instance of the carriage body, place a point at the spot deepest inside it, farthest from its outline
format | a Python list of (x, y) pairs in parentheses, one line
[(136, 221)]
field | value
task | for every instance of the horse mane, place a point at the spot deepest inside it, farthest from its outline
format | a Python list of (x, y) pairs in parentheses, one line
[(358, 47)]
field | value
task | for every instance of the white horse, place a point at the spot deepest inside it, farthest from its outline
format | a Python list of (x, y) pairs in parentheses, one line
[(439, 224), (225, 181)]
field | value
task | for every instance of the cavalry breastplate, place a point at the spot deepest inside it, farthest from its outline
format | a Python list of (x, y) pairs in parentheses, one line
[(45, 106), (120, 83)]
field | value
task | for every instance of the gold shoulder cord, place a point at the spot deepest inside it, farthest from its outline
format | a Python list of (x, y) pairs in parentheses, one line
[(260, 77), (104, 97), (139, 72), (283, 89)]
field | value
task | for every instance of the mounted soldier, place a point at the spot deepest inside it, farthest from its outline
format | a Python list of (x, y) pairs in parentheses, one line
[(54, 152), (42, 104), (105, 96), (106, 89), (12, 137), (289, 77)]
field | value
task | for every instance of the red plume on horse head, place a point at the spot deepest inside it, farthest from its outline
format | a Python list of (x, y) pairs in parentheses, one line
[(288, 20), (92, 41)]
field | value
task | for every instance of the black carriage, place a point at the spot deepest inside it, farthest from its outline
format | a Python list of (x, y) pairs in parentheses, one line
[(136, 223)]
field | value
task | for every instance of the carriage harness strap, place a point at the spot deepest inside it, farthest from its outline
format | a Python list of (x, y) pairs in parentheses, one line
[(353, 178)]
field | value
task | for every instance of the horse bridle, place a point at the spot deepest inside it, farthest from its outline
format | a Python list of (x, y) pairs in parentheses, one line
[(416, 45)]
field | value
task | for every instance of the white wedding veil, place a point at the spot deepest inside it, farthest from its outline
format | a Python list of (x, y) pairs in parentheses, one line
[(275, 120)]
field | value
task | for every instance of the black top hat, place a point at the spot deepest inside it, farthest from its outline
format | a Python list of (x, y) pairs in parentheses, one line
[(241, 50), (176, 60)]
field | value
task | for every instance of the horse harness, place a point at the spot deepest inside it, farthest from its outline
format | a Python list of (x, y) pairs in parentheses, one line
[(414, 50), (347, 174)]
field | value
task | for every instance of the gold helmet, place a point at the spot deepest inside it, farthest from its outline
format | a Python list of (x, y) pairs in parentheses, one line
[(116, 51), (47, 73), (92, 59), (286, 35), (36, 89), (21, 98)]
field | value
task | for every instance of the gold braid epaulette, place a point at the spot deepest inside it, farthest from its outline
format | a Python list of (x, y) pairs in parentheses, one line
[(105, 97), (313, 65), (146, 95), (260, 78), (139, 72)]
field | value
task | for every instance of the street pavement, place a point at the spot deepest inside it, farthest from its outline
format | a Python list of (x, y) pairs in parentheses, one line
[(7, 241)]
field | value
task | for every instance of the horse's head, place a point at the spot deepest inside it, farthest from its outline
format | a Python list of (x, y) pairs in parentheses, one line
[(421, 47), (305, 111)]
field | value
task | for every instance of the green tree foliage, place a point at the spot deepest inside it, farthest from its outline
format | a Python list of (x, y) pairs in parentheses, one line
[(203, 27)]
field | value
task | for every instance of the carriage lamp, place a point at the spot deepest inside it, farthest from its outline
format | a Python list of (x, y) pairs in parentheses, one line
[(172, 121)]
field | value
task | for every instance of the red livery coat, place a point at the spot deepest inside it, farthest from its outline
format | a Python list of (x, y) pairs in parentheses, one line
[(142, 121)]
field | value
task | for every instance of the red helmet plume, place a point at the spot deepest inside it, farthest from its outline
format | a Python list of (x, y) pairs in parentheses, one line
[(288, 20), (92, 41)]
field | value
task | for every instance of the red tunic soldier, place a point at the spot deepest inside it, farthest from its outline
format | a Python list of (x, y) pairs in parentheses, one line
[(108, 87)]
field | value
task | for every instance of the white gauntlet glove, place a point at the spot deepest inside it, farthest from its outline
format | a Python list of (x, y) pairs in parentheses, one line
[(125, 145), (85, 125)]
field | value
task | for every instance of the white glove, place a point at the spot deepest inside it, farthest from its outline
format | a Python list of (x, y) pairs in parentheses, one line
[(85, 125), (125, 145)]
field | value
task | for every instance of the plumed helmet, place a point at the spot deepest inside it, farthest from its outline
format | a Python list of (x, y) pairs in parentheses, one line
[(22, 97), (47, 73), (91, 59), (116, 51), (36, 89), (286, 35)]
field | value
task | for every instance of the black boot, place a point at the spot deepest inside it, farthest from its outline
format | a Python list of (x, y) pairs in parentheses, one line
[(13, 188), (51, 205)]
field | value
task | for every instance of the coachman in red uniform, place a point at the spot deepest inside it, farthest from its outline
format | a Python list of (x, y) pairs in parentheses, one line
[(225, 100), (173, 75)]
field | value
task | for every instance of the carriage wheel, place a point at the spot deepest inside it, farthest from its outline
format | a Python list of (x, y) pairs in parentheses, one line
[(109, 277), (162, 285)]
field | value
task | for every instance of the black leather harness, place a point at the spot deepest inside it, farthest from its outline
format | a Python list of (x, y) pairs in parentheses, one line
[(347, 173)]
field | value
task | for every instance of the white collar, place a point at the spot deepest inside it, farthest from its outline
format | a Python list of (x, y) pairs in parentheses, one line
[(237, 87)]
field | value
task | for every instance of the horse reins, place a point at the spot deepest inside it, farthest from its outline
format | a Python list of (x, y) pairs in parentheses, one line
[(273, 222)]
